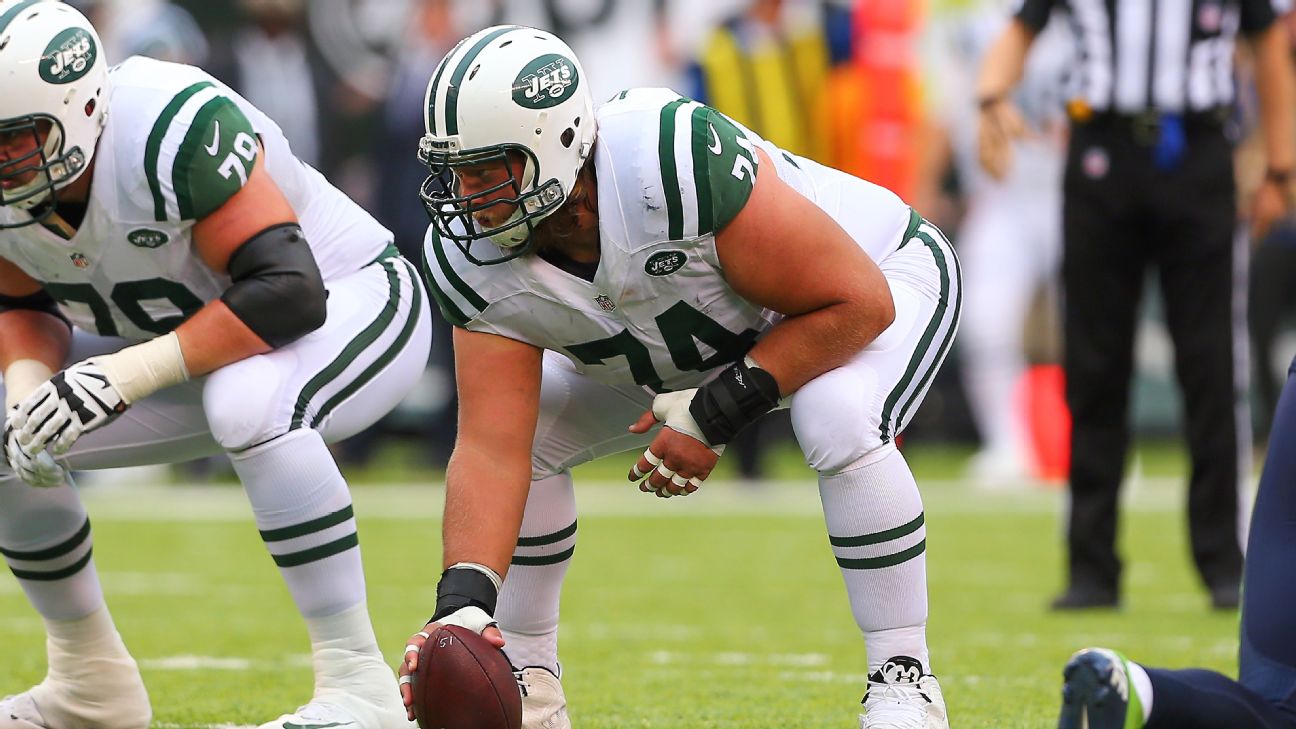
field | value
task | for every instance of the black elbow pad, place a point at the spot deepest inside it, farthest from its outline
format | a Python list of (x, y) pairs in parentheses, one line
[(277, 289)]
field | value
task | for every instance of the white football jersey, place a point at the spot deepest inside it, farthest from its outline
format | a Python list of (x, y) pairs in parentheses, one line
[(659, 313), (177, 144)]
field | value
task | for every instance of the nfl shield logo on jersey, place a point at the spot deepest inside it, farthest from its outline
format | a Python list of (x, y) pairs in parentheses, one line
[(79, 260), (604, 302)]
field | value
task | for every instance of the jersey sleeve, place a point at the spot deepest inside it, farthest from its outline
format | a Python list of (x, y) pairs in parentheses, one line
[(708, 168), (459, 302), (200, 150)]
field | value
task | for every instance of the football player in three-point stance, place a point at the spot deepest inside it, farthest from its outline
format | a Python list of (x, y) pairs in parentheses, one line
[(653, 261), (174, 283)]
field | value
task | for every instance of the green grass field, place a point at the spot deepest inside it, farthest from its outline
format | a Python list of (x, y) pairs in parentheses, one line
[(722, 610)]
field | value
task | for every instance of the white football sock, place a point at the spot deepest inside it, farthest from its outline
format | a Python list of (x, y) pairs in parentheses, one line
[(528, 603), (303, 509), (45, 538), (876, 527)]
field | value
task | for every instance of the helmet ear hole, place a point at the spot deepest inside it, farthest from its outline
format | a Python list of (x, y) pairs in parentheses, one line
[(568, 136)]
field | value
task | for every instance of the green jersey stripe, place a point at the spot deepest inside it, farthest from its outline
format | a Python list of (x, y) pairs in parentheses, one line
[(701, 141), (920, 352), (670, 175), (324, 551), (465, 63), (540, 541), (308, 527), (347, 356), (12, 13), (58, 550), (153, 148), (472, 297), (544, 559), (886, 535), (66, 572), (370, 372), (448, 309), (942, 264), (888, 560), (185, 154)]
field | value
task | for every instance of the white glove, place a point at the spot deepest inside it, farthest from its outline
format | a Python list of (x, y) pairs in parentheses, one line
[(39, 470), (73, 402), (672, 410), (470, 617)]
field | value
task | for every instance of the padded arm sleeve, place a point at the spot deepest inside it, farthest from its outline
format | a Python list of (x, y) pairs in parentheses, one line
[(277, 291)]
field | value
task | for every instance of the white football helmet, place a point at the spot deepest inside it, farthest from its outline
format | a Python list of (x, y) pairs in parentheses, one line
[(52, 69), (505, 89)]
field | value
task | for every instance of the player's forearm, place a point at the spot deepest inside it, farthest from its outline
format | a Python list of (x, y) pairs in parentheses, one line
[(1274, 82), (486, 493), (800, 348), (1004, 61), (215, 337)]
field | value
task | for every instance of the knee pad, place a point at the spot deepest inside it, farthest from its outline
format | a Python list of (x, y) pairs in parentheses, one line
[(243, 403), (836, 419)]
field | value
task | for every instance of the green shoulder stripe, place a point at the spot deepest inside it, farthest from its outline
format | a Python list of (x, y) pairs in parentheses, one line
[(459, 293), (214, 160), (724, 168), (153, 148), (670, 172)]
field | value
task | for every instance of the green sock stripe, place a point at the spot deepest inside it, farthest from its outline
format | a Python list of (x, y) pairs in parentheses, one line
[(315, 554), (308, 527), (54, 552), (66, 572), (887, 535), (544, 559), (542, 540), (889, 560)]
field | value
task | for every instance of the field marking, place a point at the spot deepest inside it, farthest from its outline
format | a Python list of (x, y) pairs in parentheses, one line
[(423, 501), (737, 658), (223, 663), (173, 725)]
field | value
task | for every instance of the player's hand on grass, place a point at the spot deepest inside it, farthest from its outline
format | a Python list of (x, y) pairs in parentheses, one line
[(679, 459), (71, 403), (473, 618)]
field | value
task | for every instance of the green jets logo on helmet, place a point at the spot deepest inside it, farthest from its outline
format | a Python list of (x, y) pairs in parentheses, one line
[(545, 82), (68, 57)]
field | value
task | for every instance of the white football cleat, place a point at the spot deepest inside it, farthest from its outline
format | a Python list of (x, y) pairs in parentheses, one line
[(20, 712), (352, 692), (543, 704), (901, 696), (342, 711)]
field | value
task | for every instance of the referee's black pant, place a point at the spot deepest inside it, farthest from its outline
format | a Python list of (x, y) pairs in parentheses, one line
[(1123, 214)]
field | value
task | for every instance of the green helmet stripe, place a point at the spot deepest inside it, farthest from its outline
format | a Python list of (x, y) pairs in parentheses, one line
[(452, 96), (12, 13), (432, 93)]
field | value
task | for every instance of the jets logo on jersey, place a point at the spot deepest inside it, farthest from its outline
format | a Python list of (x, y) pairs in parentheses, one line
[(147, 238), (68, 57), (664, 263), (547, 81)]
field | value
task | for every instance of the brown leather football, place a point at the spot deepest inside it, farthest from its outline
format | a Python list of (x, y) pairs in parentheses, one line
[(464, 682)]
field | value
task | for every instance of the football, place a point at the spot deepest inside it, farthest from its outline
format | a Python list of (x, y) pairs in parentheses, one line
[(464, 682)]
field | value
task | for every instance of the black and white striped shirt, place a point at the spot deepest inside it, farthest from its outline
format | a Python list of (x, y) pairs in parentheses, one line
[(1162, 55)]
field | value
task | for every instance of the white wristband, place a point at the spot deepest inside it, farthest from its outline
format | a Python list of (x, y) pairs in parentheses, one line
[(492, 574), (21, 377), (141, 370)]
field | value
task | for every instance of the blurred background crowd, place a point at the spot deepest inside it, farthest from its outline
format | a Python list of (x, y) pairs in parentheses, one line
[(883, 89)]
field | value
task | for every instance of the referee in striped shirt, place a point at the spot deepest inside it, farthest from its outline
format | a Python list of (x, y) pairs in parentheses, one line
[(1149, 183)]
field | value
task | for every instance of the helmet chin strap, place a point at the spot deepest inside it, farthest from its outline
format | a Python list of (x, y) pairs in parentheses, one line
[(515, 236)]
